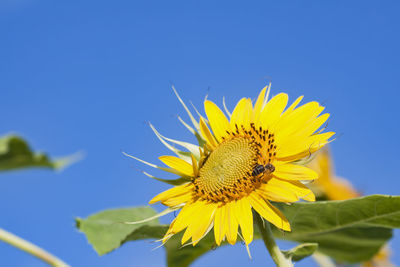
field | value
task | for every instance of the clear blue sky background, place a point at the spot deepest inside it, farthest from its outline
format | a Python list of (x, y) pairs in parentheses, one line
[(88, 75)]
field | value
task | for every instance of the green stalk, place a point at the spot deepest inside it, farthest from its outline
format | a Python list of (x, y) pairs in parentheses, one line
[(269, 241), (30, 248), (323, 260)]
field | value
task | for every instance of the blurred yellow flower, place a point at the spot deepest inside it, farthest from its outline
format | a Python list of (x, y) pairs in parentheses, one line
[(241, 163), (329, 185), (381, 259)]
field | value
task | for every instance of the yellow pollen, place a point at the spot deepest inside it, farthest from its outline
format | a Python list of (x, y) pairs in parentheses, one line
[(226, 174), (237, 166)]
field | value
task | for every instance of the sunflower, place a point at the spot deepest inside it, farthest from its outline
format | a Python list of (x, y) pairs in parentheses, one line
[(241, 163)]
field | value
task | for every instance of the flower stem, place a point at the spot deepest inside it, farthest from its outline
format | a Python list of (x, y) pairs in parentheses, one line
[(30, 248), (323, 260), (269, 241)]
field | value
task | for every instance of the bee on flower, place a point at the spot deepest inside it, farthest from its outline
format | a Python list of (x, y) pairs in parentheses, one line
[(243, 161)]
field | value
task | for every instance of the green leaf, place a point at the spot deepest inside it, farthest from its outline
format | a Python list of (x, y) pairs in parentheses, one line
[(178, 256), (15, 153), (349, 231), (106, 230), (301, 251)]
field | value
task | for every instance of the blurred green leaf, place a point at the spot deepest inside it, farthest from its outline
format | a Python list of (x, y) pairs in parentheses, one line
[(349, 231), (15, 153), (301, 251)]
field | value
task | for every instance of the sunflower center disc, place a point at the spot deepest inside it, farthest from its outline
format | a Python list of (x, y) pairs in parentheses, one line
[(227, 167)]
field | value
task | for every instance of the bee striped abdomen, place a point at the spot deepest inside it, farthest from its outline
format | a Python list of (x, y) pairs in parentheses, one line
[(258, 169)]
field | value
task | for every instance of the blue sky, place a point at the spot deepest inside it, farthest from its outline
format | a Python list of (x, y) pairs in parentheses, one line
[(89, 75)]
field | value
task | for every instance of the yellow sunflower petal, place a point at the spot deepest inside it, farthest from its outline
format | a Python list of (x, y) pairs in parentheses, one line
[(219, 123), (172, 193), (232, 223), (294, 172), (198, 221), (194, 166), (178, 164), (184, 217), (219, 224), (298, 119), (312, 127), (175, 201), (269, 212), (277, 193), (205, 132), (259, 105), (273, 110), (287, 187), (187, 235), (244, 217), (310, 196), (241, 115), (299, 189), (302, 124), (169, 233), (292, 106), (299, 148), (203, 222)]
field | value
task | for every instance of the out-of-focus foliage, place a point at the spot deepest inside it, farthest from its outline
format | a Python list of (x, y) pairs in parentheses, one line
[(348, 231), (15, 153), (301, 251)]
